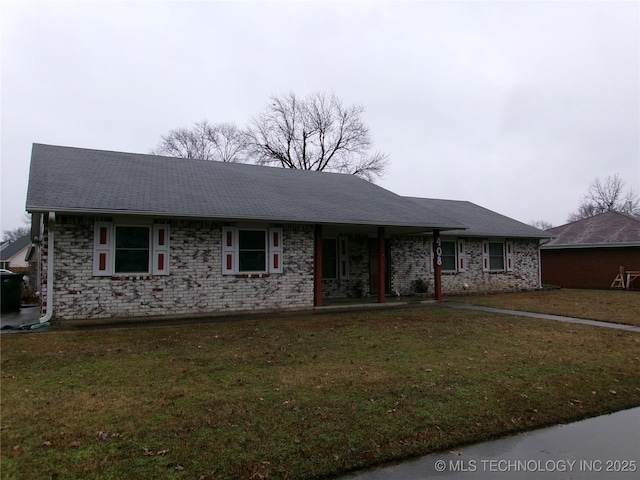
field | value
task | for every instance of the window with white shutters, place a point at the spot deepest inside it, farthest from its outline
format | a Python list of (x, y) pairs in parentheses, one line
[(250, 251), (497, 256), (130, 249)]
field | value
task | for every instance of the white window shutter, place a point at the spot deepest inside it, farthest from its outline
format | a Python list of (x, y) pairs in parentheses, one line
[(462, 256), (486, 265), (508, 246), (343, 257), (103, 249), (275, 250), (160, 250), (229, 255)]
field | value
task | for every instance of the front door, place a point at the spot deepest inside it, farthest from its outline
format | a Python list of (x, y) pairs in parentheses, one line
[(373, 266)]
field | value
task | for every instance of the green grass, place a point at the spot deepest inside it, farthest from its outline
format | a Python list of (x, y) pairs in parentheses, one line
[(617, 306), (297, 397)]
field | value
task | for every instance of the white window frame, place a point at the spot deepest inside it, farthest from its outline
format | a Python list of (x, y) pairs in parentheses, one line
[(507, 256), (104, 248), (265, 250), (274, 250), (455, 256)]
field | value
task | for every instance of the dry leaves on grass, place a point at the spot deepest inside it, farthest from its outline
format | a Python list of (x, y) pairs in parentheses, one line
[(150, 453)]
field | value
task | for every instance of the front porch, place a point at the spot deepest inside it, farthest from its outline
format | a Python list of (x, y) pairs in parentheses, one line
[(375, 265)]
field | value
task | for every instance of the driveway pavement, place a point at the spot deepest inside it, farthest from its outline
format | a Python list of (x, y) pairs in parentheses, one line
[(11, 321)]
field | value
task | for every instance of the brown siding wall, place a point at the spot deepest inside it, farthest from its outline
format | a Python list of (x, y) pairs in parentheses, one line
[(588, 267)]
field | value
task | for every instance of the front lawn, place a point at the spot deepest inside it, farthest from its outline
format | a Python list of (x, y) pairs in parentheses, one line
[(296, 397), (617, 306)]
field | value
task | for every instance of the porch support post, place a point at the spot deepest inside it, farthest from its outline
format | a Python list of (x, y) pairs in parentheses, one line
[(317, 271), (382, 288), (437, 266)]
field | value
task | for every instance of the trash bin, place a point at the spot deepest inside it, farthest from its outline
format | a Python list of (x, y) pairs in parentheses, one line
[(11, 291)]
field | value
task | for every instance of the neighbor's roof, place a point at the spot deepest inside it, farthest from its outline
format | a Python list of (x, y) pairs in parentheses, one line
[(609, 229), (481, 221), (9, 249), (76, 180)]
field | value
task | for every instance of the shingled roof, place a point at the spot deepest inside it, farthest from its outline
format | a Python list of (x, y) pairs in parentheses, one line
[(9, 249), (481, 222), (76, 180), (609, 229)]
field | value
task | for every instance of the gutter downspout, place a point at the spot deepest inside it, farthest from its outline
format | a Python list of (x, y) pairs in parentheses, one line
[(44, 321)]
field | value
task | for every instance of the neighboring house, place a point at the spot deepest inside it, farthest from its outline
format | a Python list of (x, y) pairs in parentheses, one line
[(13, 254), (142, 235), (588, 253)]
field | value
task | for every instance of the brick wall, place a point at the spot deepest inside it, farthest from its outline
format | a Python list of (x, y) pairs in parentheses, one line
[(411, 262), (195, 284)]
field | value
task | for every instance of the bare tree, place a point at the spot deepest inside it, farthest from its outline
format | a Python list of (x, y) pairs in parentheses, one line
[(606, 195), (541, 224), (314, 133), (16, 233), (222, 142)]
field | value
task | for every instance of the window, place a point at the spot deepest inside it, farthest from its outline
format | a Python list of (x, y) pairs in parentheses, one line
[(497, 256), (135, 249), (453, 256), (132, 250), (251, 250), (448, 256), (335, 258), (329, 258)]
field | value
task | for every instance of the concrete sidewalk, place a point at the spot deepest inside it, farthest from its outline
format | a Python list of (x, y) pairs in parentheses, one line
[(543, 316), (607, 446)]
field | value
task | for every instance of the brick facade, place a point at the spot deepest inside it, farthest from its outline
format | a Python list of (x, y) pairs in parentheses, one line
[(195, 284), (411, 262)]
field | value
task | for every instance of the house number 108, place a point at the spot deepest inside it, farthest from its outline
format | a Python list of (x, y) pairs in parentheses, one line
[(439, 252)]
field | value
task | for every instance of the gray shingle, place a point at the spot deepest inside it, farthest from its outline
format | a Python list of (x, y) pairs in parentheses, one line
[(66, 179), (606, 229), (481, 222), (8, 250)]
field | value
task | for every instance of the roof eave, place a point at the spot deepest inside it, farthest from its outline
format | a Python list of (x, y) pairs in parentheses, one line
[(566, 246), (258, 218), (497, 234)]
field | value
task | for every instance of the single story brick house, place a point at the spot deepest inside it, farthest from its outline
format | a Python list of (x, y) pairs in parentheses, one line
[(588, 253), (125, 235)]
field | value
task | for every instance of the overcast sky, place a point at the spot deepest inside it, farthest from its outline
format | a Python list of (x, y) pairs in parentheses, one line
[(516, 106)]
